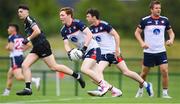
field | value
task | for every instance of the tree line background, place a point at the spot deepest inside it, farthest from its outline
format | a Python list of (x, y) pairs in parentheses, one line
[(123, 15)]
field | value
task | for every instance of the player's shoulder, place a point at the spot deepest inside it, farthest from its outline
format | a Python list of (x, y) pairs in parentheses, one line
[(10, 37), (19, 36), (146, 18), (62, 28), (76, 20), (164, 17), (104, 22), (30, 19)]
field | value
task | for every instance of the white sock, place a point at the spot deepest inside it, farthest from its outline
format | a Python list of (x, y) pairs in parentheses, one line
[(141, 89), (33, 79), (7, 89), (165, 91), (145, 84)]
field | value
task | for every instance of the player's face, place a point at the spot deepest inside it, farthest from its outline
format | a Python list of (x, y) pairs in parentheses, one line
[(11, 30), (156, 10), (89, 18), (64, 17), (22, 13)]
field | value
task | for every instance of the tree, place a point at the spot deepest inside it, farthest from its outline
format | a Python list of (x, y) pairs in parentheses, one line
[(46, 13)]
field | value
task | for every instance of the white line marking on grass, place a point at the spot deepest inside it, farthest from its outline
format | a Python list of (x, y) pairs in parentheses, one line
[(49, 100)]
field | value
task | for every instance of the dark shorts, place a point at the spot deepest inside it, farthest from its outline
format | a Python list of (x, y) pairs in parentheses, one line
[(16, 61), (94, 53), (111, 58), (42, 49), (154, 59)]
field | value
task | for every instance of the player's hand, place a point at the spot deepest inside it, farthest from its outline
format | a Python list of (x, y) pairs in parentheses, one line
[(68, 53), (144, 45), (83, 50), (25, 41), (169, 42), (117, 53)]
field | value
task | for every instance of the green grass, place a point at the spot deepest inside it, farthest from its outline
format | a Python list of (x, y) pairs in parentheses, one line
[(67, 86), (85, 100)]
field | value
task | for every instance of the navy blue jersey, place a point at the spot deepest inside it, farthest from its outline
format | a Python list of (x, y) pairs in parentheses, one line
[(154, 33), (17, 45), (148, 21), (101, 33), (75, 34), (75, 26), (102, 27), (29, 23)]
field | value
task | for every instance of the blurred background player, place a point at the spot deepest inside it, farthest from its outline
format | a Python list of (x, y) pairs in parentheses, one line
[(41, 49), (154, 27), (109, 42), (16, 49), (76, 32)]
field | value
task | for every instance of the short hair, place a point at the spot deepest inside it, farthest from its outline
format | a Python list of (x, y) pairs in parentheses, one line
[(15, 26), (68, 10), (154, 2), (23, 6), (93, 12)]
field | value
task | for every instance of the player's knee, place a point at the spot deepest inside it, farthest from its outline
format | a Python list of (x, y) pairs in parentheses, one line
[(164, 72), (143, 75), (53, 67), (83, 70), (20, 78), (24, 66), (99, 71), (126, 72)]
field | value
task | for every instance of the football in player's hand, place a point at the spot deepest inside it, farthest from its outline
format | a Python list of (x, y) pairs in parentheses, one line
[(75, 54)]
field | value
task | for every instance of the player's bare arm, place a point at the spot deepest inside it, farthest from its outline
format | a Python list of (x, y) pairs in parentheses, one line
[(35, 33), (27, 46), (88, 37), (66, 45), (117, 41), (139, 38), (171, 37), (9, 46)]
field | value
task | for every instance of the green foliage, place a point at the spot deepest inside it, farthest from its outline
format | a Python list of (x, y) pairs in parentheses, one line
[(7, 14), (125, 16), (45, 12), (111, 11)]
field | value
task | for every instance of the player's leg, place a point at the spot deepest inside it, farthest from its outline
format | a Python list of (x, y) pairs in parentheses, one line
[(100, 69), (165, 79), (29, 60), (19, 76), (87, 68), (50, 61), (162, 62), (101, 66), (133, 75), (9, 83), (143, 74)]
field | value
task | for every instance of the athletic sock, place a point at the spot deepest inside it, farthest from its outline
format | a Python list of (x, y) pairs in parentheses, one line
[(28, 85), (165, 91), (76, 75), (33, 79), (145, 84)]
